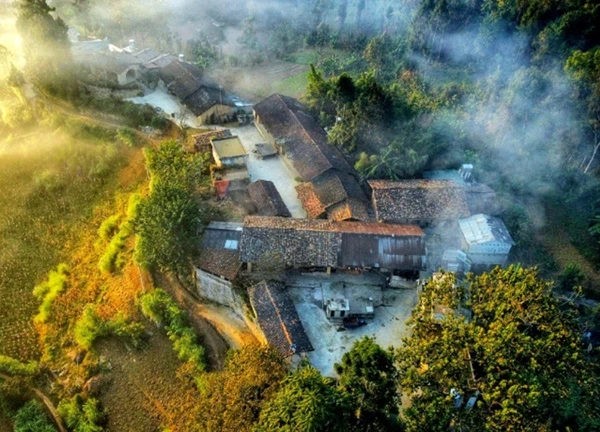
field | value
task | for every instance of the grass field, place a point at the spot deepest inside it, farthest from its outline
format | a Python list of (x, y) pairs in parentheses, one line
[(50, 182)]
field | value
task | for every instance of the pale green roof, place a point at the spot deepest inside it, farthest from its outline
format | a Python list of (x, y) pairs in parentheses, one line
[(228, 147)]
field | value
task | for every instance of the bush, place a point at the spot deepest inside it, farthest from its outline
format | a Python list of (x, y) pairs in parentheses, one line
[(82, 415), (111, 261), (159, 307), (90, 327), (13, 367), (32, 418), (127, 136), (49, 290), (571, 277), (108, 228)]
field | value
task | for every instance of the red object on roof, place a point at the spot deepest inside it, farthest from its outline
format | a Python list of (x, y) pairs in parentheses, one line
[(222, 186)]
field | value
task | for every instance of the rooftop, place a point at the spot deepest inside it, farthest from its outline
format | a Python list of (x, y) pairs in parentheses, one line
[(418, 200), (267, 199), (481, 228), (228, 147), (278, 318)]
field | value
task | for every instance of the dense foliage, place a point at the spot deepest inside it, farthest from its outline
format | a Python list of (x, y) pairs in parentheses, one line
[(168, 220), (163, 310), (513, 349), (32, 418)]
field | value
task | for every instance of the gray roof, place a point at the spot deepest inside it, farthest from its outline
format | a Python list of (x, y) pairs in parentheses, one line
[(222, 235), (325, 243), (278, 318), (480, 229), (205, 98), (267, 199)]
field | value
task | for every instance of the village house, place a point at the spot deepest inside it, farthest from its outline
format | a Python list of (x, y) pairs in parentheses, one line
[(485, 240), (324, 244), (267, 199), (203, 97), (480, 197), (330, 189), (421, 202), (219, 263), (202, 142), (278, 319), (229, 152), (105, 66)]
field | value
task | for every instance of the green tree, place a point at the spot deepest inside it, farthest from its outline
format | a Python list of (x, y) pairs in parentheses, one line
[(306, 402), (232, 399), (369, 376), (519, 354), (168, 224), (46, 47), (32, 418)]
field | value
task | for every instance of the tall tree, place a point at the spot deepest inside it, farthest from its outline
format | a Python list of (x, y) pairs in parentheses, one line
[(307, 402), (368, 374), (46, 47), (519, 356)]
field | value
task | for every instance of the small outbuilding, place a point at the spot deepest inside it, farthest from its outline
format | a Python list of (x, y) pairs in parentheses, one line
[(229, 152), (485, 240), (267, 199), (278, 319)]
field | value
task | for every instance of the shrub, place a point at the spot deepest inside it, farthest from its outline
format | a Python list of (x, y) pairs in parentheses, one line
[(90, 327), (49, 290), (32, 418), (108, 228), (159, 307), (13, 367), (571, 277), (82, 415), (111, 260), (127, 136)]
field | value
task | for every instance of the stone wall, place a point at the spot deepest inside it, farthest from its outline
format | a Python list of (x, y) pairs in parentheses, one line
[(219, 290)]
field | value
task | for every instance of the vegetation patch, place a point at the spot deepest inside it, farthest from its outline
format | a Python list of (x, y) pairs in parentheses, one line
[(47, 291), (159, 307)]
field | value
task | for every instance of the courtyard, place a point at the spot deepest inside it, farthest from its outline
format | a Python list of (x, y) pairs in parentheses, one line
[(310, 291)]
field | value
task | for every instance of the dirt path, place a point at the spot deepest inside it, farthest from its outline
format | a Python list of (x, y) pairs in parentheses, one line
[(229, 327), (46, 400)]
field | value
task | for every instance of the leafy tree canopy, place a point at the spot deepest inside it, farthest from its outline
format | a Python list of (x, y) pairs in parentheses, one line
[(519, 354)]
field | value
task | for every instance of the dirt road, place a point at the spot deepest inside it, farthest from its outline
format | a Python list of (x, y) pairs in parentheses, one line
[(219, 326)]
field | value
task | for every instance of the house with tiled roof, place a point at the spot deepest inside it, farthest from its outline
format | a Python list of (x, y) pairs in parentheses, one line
[(278, 319), (326, 244), (329, 182), (267, 199), (420, 202), (218, 264)]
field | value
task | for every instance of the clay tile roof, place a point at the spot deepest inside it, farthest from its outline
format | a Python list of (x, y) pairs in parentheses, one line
[(267, 199), (304, 141), (317, 242), (220, 262), (408, 200), (278, 318), (310, 201), (181, 78), (202, 142), (350, 209), (205, 98)]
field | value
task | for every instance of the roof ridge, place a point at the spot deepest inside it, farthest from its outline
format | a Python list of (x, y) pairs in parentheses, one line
[(281, 323)]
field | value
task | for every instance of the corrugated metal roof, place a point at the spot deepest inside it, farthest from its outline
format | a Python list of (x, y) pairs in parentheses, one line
[(481, 228)]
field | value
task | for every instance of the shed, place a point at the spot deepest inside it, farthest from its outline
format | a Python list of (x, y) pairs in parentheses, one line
[(229, 152), (278, 319), (267, 199), (485, 239)]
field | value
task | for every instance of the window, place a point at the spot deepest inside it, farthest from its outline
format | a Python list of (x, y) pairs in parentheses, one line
[(342, 313), (332, 314), (231, 244)]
